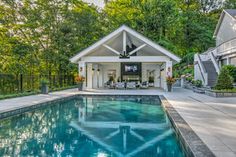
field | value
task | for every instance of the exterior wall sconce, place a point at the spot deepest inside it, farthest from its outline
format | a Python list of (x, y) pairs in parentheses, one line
[(81, 69)]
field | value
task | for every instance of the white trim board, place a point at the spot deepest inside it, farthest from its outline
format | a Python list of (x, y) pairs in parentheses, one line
[(123, 28), (145, 59)]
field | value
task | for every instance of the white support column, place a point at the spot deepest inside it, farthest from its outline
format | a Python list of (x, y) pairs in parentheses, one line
[(124, 42), (82, 71), (100, 76), (144, 72), (89, 75), (82, 68), (168, 70), (157, 76), (95, 76), (81, 114)]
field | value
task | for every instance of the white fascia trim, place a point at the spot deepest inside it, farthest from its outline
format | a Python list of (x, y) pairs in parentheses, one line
[(116, 59), (152, 44), (94, 46), (218, 24)]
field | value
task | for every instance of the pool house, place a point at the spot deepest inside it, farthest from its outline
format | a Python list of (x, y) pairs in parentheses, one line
[(125, 59)]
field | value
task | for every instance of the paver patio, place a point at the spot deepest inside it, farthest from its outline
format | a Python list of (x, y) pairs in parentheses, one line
[(213, 119)]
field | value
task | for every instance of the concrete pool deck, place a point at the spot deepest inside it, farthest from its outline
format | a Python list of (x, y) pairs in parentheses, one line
[(212, 119)]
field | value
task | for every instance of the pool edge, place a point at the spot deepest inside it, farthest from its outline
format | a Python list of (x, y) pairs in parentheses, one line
[(190, 141)]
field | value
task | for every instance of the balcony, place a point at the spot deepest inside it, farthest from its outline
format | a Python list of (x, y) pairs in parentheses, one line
[(226, 48)]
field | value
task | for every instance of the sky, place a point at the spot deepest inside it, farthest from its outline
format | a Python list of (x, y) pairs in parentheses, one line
[(99, 3)]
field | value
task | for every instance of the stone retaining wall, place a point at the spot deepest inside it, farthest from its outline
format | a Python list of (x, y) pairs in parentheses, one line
[(220, 94)]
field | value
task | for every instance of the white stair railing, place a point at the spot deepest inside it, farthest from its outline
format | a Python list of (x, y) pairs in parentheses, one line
[(213, 59), (202, 69)]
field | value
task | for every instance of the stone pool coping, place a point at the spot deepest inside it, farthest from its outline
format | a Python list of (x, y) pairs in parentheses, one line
[(190, 142), (23, 109)]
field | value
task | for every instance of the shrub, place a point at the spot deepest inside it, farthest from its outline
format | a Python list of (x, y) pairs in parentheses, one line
[(224, 80), (198, 83), (232, 71), (189, 79), (44, 81), (188, 58), (151, 79)]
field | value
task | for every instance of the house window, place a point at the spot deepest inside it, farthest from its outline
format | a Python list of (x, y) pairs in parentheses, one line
[(223, 62), (233, 61)]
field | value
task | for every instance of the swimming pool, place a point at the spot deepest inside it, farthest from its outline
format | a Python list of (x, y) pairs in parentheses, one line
[(92, 126)]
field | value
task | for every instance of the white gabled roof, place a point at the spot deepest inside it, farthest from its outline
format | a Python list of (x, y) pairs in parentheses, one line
[(156, 46), (229, 12)]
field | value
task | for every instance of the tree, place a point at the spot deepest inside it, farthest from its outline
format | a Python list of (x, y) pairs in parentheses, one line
[(230, 4), (232, 71), (224, 80), (180, 26), (42, 35)]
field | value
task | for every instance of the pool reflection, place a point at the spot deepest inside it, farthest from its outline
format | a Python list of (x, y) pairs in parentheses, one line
[(91, 126)]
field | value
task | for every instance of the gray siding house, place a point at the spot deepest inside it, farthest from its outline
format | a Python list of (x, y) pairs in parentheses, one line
[(207, 65)]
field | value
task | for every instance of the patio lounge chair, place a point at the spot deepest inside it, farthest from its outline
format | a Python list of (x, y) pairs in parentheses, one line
[(120, 85), (131, 85), (144, 85)]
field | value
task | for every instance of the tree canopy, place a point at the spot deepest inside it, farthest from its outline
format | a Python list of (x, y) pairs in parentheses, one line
[(39, 36)]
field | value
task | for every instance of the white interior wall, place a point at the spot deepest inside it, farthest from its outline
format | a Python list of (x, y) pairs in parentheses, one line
[(157, 75), (163, 76), (89, 75), (95, 76), (151, 67), (107, 67), (100, 76)]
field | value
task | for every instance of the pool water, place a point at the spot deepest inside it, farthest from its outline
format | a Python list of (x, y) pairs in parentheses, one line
[(92, 126)]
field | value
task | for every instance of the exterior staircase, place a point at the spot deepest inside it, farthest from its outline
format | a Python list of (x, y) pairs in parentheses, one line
[(211, 72)]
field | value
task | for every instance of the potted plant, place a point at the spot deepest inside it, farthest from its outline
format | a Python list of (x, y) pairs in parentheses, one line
[(170, 81), (151, 81), (44, 85), (79, 80)]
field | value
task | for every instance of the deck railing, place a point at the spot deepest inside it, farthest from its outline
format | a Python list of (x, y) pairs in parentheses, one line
[(214, 61)]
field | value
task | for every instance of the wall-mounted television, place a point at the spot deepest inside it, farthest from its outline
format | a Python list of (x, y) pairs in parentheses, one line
[(131, 68)]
